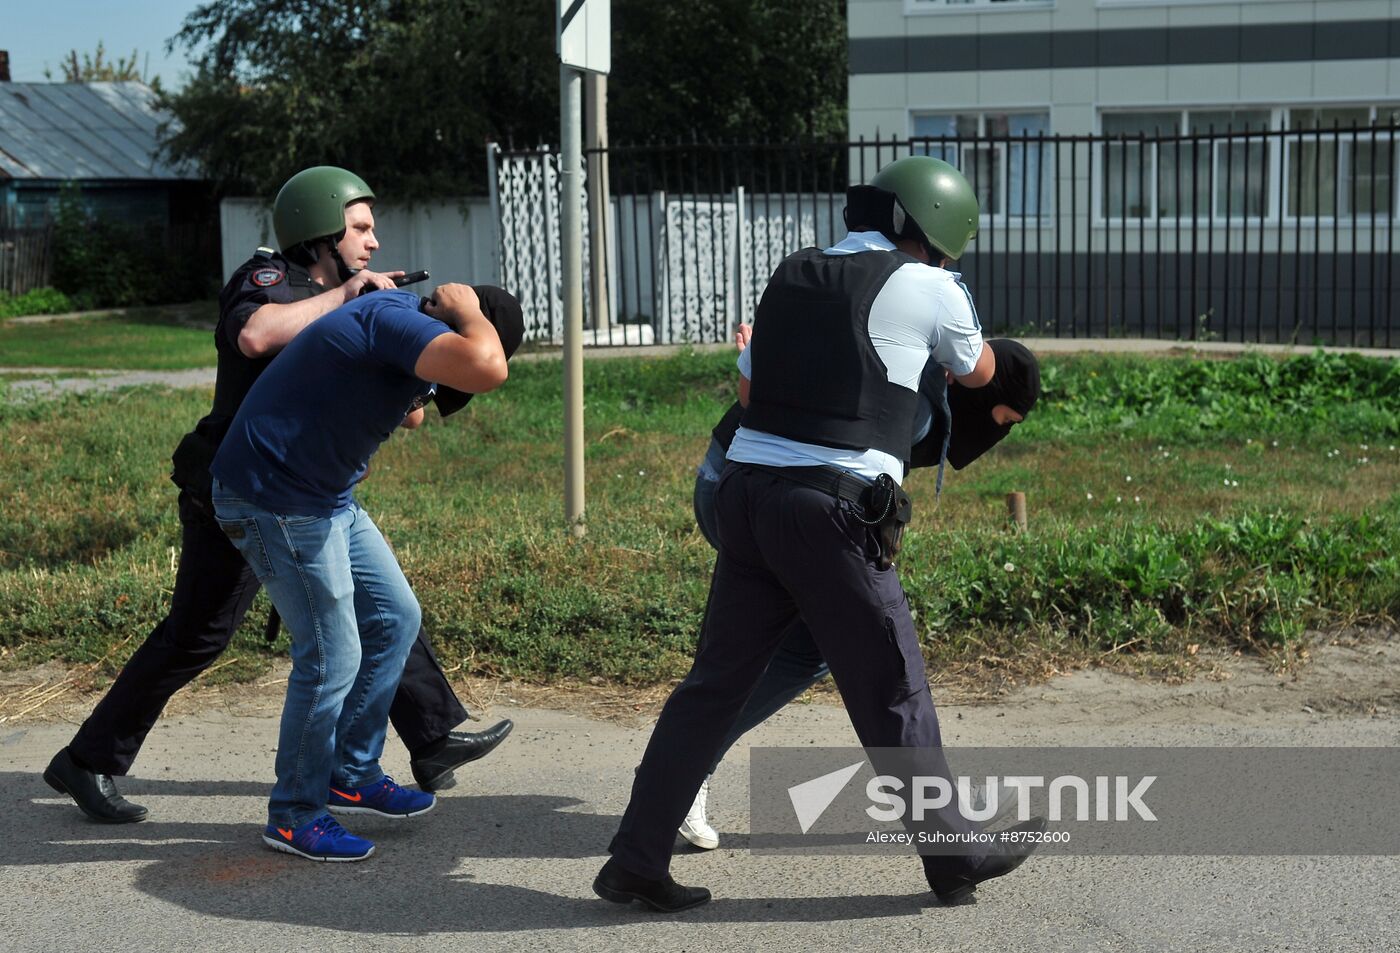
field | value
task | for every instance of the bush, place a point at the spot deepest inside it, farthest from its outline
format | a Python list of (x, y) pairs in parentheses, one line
[(35, 301), (1198, 401)]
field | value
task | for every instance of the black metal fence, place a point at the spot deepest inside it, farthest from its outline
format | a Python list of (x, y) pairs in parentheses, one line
[(1257, 236)]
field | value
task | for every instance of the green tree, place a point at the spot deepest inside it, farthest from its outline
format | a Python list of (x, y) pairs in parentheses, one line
[(100, 263), (96, 68), (758, 70), (408, 92)]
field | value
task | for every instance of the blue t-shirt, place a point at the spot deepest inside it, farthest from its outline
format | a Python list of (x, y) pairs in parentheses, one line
[(303, 437)]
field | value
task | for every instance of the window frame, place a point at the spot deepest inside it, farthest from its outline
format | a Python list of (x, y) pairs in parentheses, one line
[(937, 8), (1110, 4), (1278, 164), (1003, 145)]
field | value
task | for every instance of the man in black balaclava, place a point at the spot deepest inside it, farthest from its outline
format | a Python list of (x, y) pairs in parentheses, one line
[(977, 419)]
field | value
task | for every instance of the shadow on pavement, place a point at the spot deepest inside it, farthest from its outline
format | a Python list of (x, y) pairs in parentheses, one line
[(418, 882)]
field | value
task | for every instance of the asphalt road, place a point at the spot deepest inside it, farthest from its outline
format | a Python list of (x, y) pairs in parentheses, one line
[(506, 859)]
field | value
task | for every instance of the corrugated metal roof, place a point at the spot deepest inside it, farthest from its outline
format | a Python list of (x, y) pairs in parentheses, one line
[(81, 131)]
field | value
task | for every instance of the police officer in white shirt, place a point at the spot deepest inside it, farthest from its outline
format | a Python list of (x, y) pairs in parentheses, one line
[(809, 513)]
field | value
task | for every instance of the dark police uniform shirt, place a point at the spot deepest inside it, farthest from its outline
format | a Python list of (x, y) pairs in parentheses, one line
[(266, 278)]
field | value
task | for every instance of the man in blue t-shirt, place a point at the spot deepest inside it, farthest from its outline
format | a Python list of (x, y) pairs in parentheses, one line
[(283, 491)]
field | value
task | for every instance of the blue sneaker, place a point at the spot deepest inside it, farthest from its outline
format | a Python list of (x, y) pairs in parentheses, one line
[(384, 798), (322, 839)]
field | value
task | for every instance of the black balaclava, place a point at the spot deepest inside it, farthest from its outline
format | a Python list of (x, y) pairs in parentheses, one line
[(1016, 384), (503, 311)]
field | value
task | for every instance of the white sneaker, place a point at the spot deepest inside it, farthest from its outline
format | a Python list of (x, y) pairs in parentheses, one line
[(695, 828)]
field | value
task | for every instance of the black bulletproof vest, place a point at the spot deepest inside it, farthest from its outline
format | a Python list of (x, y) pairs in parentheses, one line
[(816, 376)]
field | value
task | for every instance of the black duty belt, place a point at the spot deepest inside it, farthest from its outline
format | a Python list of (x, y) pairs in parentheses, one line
[(842, 484), (884, 506)]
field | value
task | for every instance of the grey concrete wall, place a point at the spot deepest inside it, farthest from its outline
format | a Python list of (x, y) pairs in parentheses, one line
[(453, 240)]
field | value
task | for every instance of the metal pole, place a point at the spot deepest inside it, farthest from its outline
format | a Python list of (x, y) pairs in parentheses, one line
[(599, 206), (571, 234), (493, 179), (741, 285)]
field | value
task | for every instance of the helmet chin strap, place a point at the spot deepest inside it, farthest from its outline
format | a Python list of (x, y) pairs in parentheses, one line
[(308, 253), (906, 228), (342, 269)]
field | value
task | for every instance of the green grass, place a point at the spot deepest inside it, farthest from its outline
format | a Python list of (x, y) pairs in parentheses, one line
[(1261, 501), (161, 339)]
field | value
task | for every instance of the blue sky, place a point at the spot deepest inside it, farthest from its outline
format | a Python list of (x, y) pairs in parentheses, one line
[(40, 33)]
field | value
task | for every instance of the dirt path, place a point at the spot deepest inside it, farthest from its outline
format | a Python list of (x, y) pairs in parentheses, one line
[(505, 860), (98, 379), (1353, 675)]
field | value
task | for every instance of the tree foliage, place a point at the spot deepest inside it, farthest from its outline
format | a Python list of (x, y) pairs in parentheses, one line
[(408, 92), (99, 262), (96, 68), (756, 70)]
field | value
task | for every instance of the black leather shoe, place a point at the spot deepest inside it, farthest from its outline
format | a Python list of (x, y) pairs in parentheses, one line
[(1004, 858), (615, 884), (434, 772), (95, 793)]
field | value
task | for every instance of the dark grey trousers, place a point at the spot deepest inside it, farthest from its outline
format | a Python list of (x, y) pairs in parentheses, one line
[(785, 550)]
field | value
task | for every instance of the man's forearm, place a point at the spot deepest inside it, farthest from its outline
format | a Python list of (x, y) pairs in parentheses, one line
[(272, 327)]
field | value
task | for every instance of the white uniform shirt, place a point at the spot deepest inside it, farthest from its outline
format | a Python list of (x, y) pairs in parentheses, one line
[(921, 313)]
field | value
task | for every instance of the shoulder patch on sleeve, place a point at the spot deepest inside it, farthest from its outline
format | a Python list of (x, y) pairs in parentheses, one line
[(266, 277)]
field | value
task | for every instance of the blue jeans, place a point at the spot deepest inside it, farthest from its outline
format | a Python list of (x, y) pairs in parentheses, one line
[(795, 667), (352, 619)]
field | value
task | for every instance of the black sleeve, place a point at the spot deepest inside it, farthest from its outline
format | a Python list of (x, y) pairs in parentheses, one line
[(930, 451), (260, 281), (728, 425)]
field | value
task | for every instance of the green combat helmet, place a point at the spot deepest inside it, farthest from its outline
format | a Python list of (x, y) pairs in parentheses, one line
[(934, 203), (312, 205)]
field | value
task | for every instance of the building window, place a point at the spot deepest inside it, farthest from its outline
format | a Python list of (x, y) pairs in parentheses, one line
[(1318, 162), (1173, 179), (1337, 166), (998, 152)]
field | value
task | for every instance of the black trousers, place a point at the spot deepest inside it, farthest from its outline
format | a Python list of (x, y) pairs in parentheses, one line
[(213, 589), (786, 551)]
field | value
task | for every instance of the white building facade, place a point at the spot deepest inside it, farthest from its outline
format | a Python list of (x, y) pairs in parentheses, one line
[(1264, 169), (920, 67)]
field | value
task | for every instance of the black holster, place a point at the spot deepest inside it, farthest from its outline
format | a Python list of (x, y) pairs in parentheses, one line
[(190, 468), (884, 506), (888, 510)]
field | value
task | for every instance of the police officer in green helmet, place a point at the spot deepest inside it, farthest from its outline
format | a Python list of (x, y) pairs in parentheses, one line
[(809, 514), (316, 210), (922, 200), (324, 221)]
